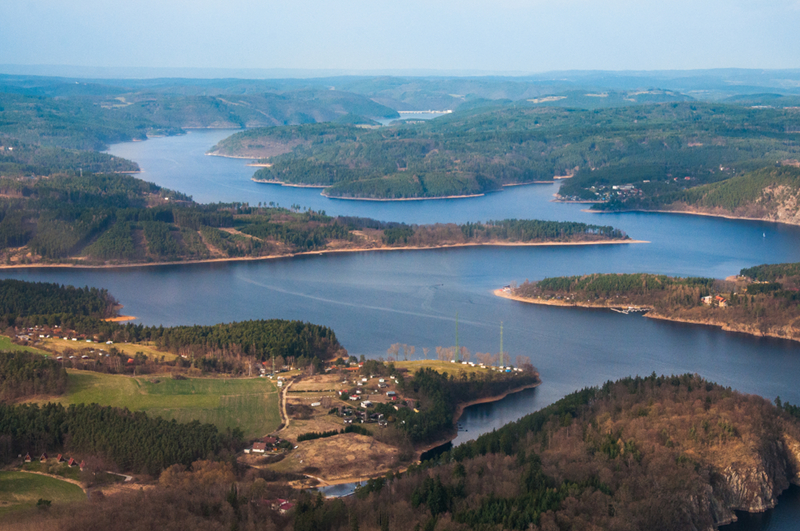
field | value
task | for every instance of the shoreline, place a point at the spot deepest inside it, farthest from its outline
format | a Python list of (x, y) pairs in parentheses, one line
[(320, 252), (725, 327), (460, 411), (650, 314), (290, 185), (689, 213), (323, 194)]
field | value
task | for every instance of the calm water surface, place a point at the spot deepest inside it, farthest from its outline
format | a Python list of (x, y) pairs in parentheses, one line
[(372, 300)]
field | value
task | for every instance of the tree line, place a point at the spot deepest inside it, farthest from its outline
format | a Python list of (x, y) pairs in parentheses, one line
[(24, 374), (129, 441)]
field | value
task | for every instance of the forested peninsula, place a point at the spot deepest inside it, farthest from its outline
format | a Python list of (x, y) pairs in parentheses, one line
[(656, 149), (115, 220), (762, 300), (769, 194)]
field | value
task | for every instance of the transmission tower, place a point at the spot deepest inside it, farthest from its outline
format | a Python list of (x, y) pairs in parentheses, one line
[(501, 345), (458, 352)]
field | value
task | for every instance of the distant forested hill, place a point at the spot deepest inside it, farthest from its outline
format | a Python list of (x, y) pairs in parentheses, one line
[(658, 148), (18, 158), (72, 124)]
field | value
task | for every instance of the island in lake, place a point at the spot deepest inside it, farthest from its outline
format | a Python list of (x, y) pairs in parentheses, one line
[(762, 300)]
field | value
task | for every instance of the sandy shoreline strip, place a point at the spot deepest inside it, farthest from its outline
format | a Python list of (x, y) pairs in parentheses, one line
[(689, 213), (321, 252), (402, 198), (120, 319), (281, 183), (550, 302)]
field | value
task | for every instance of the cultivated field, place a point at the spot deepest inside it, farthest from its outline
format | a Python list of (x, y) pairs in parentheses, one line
[(248, 404), (22, 489)]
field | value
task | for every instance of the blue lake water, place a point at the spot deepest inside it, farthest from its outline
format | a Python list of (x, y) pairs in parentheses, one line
[(372, 300)]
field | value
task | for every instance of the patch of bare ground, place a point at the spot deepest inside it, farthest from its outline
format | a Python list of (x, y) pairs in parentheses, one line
[(348, 455), (216, 252), (230, 230)]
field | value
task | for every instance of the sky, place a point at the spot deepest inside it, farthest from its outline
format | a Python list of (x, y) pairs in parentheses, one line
[(498, 36)]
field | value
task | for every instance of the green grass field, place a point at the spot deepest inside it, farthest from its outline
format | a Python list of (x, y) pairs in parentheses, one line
[(22, 489), (438, 366), (248, 404), (7, 345)]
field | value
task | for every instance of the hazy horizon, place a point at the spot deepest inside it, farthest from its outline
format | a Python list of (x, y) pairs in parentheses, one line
[(504, 37)]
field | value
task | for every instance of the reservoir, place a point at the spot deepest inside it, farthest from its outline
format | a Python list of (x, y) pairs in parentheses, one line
[(375, 299)]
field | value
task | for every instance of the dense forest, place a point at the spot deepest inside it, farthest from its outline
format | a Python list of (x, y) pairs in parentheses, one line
[(656, 147), (127, 441), (118, 219), (770, 308), (23, 374), (19, 298), (657, 453), (783, 273), (769, 193)]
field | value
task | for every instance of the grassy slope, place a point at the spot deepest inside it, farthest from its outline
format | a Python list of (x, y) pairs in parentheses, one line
[(7, 345), (248, 404), (21, 489)]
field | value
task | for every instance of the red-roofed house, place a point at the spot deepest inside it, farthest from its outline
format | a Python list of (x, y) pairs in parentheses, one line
[(60, 459), (285, 507), (259, 447), (71, 463), (82, 465)]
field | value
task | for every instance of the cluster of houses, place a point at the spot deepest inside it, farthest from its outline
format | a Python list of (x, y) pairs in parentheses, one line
[(363, 417), (45, 332), (710, 300), (268, 444), (358, 393), (60, 459)]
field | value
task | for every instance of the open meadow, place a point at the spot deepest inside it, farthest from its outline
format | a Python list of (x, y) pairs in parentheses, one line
[(248, 404), (19, 490)]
